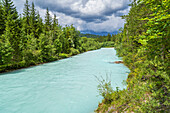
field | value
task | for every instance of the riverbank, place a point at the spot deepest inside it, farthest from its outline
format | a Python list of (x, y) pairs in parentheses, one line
[(37, 61), (113, 100), (23, 64), (143, 44)]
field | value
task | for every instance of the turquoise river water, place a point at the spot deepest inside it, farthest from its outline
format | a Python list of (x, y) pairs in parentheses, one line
[(64, 86)]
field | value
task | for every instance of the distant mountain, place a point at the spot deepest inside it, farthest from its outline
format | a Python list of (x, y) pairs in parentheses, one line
[(98, 33), (89, 35)]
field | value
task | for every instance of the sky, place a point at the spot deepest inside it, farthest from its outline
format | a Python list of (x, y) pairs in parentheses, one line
[(88, 16)]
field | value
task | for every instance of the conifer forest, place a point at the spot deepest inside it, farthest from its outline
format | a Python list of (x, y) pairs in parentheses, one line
[(27, 39)]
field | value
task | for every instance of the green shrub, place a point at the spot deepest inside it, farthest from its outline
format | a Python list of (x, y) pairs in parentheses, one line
[(108, 44), (105, 89), (74, 51), (63, 55)]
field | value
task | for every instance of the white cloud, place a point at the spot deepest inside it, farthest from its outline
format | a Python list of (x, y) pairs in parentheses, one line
[(92, 15)]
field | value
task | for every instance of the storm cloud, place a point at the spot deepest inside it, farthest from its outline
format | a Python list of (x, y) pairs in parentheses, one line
[(94, 15), (87, 10)]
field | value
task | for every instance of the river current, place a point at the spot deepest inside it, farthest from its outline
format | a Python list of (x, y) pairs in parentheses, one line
[(64, 86)]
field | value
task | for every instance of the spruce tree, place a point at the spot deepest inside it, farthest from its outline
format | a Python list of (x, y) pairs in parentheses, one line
[(44, 47), (33, 21), (26, 18), (6, 49), (48, 31), (65, 40), (48, 21), (58, 46), (25, 32), (7, 42), (8, 7), (54, 23), (108, 37), (10, 16), (40, 25), (54, 28), (2, 22), (75, 37)]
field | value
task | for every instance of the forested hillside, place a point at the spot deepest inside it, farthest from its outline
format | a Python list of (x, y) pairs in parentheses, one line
[(28, 40), (89, 35), (144, 44)]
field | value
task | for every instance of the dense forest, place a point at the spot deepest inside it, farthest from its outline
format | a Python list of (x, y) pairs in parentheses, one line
[(89, 35), (27, 39), (144, 44)]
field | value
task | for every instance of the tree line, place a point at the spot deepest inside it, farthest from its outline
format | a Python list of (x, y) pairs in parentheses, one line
[(27, 39), (144, 45)]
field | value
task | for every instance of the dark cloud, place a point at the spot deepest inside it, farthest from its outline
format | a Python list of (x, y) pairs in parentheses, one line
[(56, 8), (116, 12), (66, 8), (91, 18), (87, 15)]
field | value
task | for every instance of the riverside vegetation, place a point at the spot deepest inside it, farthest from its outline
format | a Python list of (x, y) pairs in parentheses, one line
[(28, 40), (144, 45)]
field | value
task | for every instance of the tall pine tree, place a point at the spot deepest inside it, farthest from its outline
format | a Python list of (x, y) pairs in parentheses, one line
[(10, 16), (40, 25), (2, 22), (54, 28), (6, 49), (33, 21), (26, 18), (25, 27), (8, 7), (48, 21)]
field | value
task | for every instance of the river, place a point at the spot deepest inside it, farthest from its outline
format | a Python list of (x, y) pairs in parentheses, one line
[(64, 86)]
